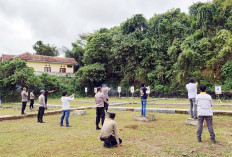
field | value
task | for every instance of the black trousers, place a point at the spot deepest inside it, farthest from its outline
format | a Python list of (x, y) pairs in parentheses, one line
[(106, 106), (110, 141), (46, 100), (40, 114), (24, 104), (100, 113), (32, 103)]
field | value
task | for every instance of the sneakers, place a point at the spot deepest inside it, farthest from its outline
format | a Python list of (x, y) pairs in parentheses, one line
[(61, 125), (23, 114), (97, 128), (68, 126), (42, 122)]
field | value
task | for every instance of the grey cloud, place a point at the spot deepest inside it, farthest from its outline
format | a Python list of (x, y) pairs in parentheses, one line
[(23, 22)]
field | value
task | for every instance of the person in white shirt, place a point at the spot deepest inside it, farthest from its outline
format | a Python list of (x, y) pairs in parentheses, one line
[(204, 106), (66, 108), (192, 93)]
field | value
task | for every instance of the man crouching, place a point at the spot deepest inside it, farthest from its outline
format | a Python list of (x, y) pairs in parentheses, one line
[(109, 133)]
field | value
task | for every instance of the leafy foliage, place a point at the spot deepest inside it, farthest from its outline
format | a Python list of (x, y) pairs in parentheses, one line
[(46, 50)]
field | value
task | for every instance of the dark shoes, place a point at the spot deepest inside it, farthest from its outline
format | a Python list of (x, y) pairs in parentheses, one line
[(42, 122), (106, 145), (68, 126), (199, 140), (23, 114), (97, 128), (61, 125)]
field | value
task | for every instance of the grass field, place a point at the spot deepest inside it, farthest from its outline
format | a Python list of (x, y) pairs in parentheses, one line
[(167, 136)]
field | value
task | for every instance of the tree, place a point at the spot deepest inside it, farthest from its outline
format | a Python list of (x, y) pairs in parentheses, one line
[(46, 50)]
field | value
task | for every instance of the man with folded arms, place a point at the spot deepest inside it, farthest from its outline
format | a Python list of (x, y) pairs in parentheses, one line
[(109, 132)]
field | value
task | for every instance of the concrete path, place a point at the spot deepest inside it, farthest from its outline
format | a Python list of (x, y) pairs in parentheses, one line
[(167, 110), (52, 112)]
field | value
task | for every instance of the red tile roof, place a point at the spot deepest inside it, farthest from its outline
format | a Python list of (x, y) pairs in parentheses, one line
[(40, 58)]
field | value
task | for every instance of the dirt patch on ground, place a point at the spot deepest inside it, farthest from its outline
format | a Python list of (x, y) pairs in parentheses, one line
[(134, 127)]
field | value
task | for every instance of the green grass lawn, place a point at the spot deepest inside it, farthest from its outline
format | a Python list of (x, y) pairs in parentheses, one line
[(167, 136)]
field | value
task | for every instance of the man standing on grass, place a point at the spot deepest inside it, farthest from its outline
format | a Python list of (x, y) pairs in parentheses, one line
[(143, 92), (46, 95), (42, 106), (109, 132), (32, 98), (66, 108), (24, 95), (100, 113), (105, 91), (192, 93), (204, 106)]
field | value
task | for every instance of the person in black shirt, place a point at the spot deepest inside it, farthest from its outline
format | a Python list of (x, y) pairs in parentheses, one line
[(46, 95), (143, 92)]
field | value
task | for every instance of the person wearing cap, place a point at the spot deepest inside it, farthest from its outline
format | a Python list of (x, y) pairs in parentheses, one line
[(32, 98), (192, 93), (109, 132), (66, 108), (42, 106), (24, 95), (100, 113)]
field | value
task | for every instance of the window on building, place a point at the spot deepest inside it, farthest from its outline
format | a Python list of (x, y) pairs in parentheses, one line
[(47, 69), (69, 66), (62, 70)]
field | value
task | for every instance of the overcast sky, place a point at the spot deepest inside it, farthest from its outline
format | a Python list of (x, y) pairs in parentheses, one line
[(58, 22)]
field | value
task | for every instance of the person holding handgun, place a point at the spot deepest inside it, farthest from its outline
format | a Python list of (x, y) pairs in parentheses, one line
[(192, 93), (46, 95), (143, 92), (66, 108)]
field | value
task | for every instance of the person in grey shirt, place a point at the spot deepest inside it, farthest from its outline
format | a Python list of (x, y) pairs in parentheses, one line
[(204, 106), (192, 93), (100, 113), (109, 132), (42, 107), (105, 91), (32, 98), (24, 95)]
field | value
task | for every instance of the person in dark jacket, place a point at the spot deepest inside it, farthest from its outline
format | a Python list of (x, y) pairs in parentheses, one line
[(143, 92)]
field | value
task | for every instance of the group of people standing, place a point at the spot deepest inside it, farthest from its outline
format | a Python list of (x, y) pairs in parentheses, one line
[(109, 133), (201, 108), (42, 102)]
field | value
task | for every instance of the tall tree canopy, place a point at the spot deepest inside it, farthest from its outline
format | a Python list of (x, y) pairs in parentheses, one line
[(165, 50), (46, 50)]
